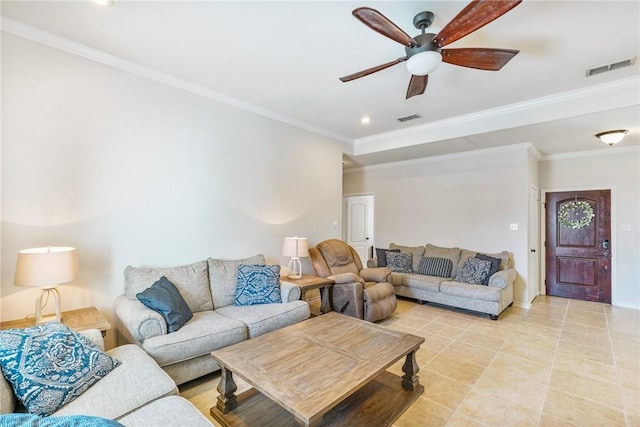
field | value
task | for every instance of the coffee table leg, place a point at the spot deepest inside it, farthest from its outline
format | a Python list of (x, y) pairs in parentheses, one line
[(410, 368), (227, 400)]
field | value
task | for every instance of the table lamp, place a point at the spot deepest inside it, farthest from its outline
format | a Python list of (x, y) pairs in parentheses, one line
[(46, 268), (295, 247)]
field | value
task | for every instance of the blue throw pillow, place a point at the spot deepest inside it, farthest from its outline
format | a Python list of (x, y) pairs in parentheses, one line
[(258, 284), (27, 420), (50, 365), (164, 297)]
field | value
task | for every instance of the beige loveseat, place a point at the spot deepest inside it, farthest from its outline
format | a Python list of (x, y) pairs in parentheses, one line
[(491, 298), (208, 287), (136, 393)]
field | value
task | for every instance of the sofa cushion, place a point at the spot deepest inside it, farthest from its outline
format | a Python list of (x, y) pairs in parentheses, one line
[(191, 280), (164, 298), (381, 256), (421, 281), (416, 253), (432, 266), (136, 382), (399, 262), (223, 277), (466, 290), (207, 331), (260, 319), (495, 265), (474, 271), (7, 398), (258, 284), (168, 411), (452, 254), (50, 365)]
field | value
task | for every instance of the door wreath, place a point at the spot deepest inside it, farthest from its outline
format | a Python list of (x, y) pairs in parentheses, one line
[(576, 214)]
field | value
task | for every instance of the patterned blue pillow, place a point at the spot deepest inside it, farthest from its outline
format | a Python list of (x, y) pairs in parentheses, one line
[(50, 365), (399, 262), (258, 284), (28, 420), (473, 271)]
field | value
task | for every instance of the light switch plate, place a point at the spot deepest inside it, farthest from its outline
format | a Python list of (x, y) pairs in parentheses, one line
[(513, 227)]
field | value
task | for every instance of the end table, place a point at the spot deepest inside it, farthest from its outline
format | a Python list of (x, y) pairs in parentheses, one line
[(308, 282), (78, 320)]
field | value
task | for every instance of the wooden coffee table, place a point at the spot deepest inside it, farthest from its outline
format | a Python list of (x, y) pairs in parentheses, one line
[(325, 370)]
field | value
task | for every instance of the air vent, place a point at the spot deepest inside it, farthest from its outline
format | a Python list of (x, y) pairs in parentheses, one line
[(611, 67), (411, 117)]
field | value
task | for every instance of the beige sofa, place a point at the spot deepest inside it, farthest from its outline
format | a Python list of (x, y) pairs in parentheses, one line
[(208, 287), (136, 393), (491, 299)]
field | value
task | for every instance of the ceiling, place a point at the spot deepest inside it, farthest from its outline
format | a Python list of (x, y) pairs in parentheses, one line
[(283, 59)]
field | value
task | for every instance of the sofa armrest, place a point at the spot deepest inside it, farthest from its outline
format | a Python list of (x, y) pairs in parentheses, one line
[(378, 274), (372, 263), (503, 278), (139, 321), (289, 291), (94, 336)]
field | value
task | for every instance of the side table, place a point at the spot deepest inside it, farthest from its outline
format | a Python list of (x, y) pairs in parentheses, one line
[(78, 320), (308, 282)]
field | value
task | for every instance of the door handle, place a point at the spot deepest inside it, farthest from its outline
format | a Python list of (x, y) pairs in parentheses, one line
[(533, 251)]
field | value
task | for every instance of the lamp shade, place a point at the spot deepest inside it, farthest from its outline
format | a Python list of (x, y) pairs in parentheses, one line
[(295, 247), (46, 267)]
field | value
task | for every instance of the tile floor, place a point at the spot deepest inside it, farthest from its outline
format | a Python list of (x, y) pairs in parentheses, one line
[(561, 363)]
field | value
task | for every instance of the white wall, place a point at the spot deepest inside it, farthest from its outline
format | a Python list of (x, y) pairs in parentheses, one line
[(617, 169), (132, 172), (466, 200)]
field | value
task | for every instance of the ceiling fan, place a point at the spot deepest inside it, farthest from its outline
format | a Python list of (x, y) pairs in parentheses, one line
[(424, 52)]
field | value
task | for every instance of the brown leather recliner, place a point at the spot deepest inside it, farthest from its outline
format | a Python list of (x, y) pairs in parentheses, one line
[(357, 292)]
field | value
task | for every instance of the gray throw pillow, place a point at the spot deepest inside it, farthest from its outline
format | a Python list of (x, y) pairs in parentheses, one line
[(399, 262), (165, 298), (495, 265), (381, 256), (474, 271), (433, 266)]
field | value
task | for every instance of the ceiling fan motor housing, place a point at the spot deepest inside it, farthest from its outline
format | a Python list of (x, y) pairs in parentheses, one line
[(426, 45)]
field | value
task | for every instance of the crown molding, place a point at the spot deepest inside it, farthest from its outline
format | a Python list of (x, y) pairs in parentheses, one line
[(601, 97), (37, 35), (605, 151), (525, 146)]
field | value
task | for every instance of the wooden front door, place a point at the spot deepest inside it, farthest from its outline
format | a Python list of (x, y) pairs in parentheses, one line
[(578, 245)]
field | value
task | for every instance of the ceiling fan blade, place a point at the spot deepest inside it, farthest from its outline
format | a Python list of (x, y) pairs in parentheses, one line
[(480, 58), (372, 70), (417, 85), (477, 14), (378, 22)]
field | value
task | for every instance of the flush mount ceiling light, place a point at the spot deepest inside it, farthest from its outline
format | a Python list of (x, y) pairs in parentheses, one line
[(612, 136)]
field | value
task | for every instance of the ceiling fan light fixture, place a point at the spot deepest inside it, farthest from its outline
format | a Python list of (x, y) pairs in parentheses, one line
[(424, 63), (612, 136)]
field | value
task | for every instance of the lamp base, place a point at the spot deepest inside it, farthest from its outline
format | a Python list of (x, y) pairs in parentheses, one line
[(296, 268), (56, 301)]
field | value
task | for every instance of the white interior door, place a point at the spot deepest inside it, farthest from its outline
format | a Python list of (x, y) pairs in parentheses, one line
[(359, 225), (534, 243)]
